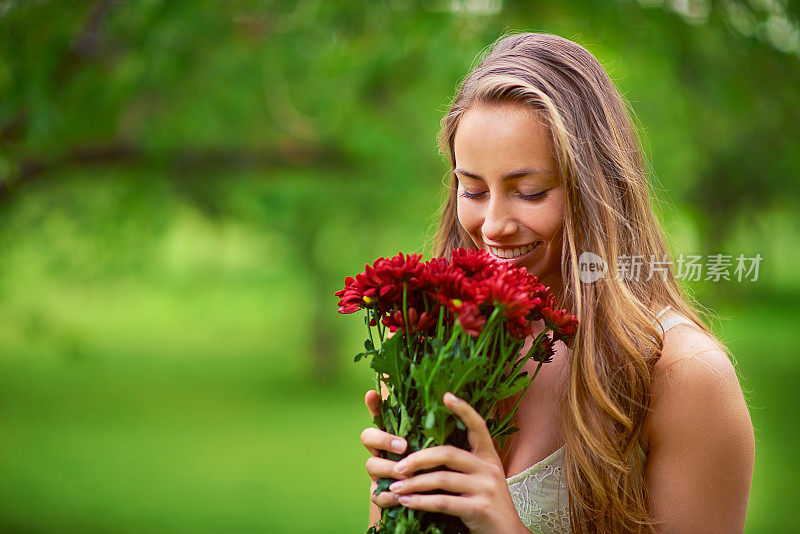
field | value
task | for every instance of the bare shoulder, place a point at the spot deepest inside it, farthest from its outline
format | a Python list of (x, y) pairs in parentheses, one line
[(699, 436), (691, 357), (693, 377)]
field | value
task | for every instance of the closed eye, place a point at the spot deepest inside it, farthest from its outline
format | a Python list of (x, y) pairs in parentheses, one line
[(535, 196)]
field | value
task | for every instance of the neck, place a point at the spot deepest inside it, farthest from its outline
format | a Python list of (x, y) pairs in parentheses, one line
[(556, 285)]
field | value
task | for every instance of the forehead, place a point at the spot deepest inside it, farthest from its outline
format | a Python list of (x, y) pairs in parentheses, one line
[(499, 138)]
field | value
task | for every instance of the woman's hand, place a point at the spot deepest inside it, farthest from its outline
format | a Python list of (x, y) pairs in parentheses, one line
[(483, 502), (376, 440)]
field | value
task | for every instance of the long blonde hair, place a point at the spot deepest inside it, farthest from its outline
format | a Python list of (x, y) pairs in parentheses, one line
[(608, 212)]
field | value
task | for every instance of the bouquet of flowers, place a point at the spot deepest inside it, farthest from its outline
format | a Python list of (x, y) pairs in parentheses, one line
[(459, 326)]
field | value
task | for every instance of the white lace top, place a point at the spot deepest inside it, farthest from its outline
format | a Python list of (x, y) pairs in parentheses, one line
[(540, 495), (540, 492)]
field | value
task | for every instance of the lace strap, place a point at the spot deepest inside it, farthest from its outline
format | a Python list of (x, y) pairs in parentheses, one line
[(663, 311), (671, 322)]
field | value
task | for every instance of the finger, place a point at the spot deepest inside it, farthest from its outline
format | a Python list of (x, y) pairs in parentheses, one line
[(443, 455), (373, 402), (385, 499), (437, 480), (479, 438), (376, 440), (447, 504), (381, 468)]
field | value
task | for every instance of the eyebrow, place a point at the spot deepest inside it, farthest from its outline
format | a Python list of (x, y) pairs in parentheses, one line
[(509, 176)]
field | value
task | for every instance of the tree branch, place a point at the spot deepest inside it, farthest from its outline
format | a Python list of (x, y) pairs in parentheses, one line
[(182, 159)]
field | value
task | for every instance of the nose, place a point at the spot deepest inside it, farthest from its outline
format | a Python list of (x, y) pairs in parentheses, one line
[(499, 222)]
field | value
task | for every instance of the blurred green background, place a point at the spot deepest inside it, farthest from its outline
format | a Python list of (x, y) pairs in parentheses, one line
[(184, 184)]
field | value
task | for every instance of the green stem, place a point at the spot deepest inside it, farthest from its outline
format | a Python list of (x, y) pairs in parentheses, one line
[(497, 368), (379, 326), (536, 372), (461, 381), (438, 362), (369, 328), (486, 329), (433, 373), (405, 319), (521, 394), (456, 330), (511, 413)]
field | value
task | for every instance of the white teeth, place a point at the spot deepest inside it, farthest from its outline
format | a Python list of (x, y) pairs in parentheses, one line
[(511, 253)]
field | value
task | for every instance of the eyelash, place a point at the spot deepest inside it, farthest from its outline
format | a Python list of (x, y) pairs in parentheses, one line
[(535, 196)]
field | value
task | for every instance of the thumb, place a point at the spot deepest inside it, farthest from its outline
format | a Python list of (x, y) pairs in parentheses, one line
[(373, 402)]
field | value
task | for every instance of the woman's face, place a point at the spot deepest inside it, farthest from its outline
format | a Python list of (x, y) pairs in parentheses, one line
[(510, 197)]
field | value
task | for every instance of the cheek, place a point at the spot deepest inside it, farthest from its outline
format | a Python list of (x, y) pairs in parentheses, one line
[(550, 223), (550, 218), (468, 217)]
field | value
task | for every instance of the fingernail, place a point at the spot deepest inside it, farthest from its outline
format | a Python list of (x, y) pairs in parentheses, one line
[(401, 466), (398, 445), (404, 499), (451, 397), (396, 486)]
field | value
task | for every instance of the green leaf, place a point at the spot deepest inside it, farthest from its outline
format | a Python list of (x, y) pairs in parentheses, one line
[(383, 485), (405, 422), (419, 373), (414, 442), (393, 456), (507, 431), (392, 361), (430, 420), (501, 442), (508, 389), (391, 421), (438, 424), (363, 354)]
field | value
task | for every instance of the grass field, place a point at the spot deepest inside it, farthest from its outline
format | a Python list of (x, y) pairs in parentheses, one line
[(167, 410)]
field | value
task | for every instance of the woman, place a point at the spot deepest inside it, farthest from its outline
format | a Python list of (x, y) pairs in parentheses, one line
[(642, 425)]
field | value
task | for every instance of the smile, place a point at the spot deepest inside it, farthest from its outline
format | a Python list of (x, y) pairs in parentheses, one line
[(512, 253)]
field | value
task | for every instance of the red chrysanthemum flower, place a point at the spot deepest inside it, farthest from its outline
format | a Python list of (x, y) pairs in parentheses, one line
[(364, 291), (381, 285), (352, 297), (476, 264), (520, 328), (505, 292), (563, 324), (541, 298), (471, 319), (416, 322), (403, 268), (447, 285)]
